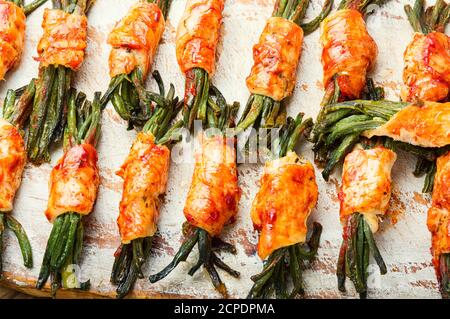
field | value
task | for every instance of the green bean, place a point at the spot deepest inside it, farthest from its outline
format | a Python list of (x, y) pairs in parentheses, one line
[(374, 248), (58, 263), (313, 243), (414, 20), (429, 179), (40, 105), (113, 85), (45, 268), (252, 115), (58, 249), (22, 238), (23, 107), (271, 263), (180, 256), (78, 246), (204, 248), (259, 285), (220, 264), (341, 265), (280, 281), (203, 103), (339, 153), (314, 24), (138, 256), (219, 245), (296, 272), (29, 8)]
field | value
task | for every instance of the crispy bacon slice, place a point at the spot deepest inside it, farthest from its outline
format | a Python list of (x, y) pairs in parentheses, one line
[(426, 125), (213, 197), (286, 197), (426, 75), (74, 182), (12, 35), (135, 38), (13, 157), (348, 51), (145, 173), (64, 39), (276, 57), (198, 35), (366, 184)]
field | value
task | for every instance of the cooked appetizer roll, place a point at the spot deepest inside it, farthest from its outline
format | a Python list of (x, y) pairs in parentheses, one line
[(427, 58), (213, 198), (439, 223), (73, 182), (64, 39), (286, 197), (214, 193), (145, 172), (12, 31), (420, 128), (61, 52), (364, 196), (198, 35), (134, 41), (12, 35), (275, 60), (73, 188), (196, 43), (13, 156), (348, 51), (135, 38), (280, 211)]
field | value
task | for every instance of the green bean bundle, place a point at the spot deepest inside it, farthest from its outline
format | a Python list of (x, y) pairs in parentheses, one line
[(134, 42), (76, 173), (145, 179)]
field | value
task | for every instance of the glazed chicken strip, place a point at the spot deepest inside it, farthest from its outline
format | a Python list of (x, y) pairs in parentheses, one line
[(366, 184), (286, 197), (348, 51), (426, 125), (74, 182), (426, 75), (12, 35), (439, 214), (64, 39), (13, 156), (198, 35), (213, 197), (145, 173), (276, 57), (135, 38)]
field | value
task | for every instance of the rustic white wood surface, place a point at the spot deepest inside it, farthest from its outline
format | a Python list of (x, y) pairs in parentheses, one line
[(404, 244)]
